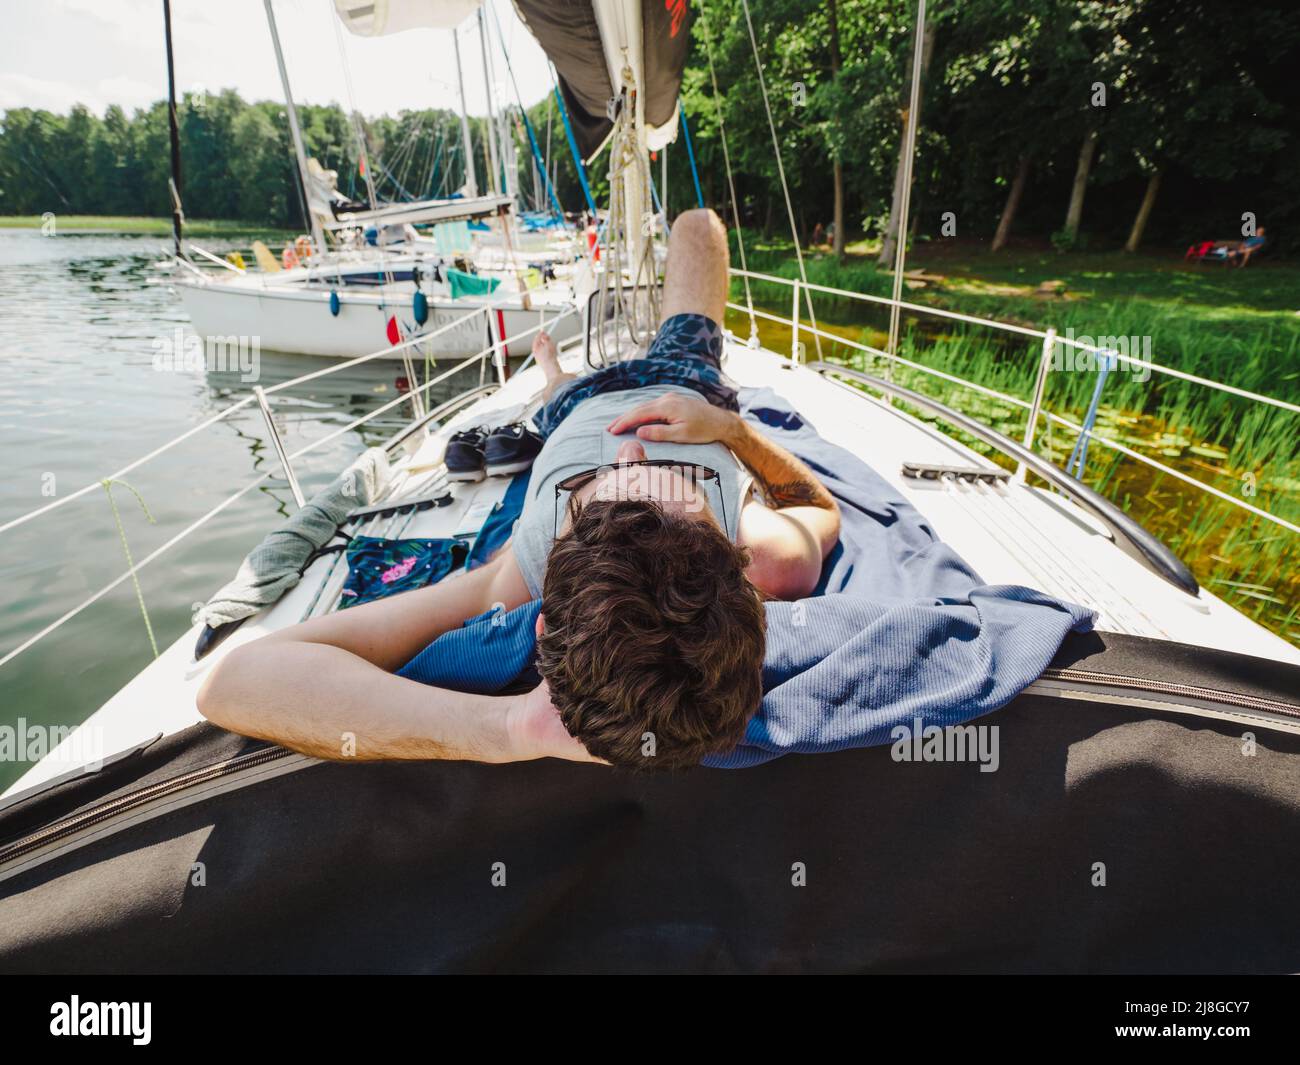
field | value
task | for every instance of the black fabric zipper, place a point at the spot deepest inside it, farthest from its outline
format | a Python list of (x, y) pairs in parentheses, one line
[(74, 823), (1187, 691)]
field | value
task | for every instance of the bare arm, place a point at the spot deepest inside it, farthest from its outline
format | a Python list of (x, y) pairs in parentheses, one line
[(791, 536), (326, 687)]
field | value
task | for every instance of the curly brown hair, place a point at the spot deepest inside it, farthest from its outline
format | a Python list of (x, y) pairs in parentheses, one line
[(653, 638)]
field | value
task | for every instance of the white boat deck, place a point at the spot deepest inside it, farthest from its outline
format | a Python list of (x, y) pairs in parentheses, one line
[(1011, 534)]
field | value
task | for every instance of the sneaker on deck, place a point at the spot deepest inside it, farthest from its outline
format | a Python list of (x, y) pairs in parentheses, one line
[(511, 449), (464, 458)]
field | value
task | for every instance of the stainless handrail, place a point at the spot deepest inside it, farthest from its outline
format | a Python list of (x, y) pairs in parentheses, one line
[(1129, 536)]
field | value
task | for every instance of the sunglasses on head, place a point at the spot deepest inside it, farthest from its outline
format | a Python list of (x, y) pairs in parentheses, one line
[(692, 472)]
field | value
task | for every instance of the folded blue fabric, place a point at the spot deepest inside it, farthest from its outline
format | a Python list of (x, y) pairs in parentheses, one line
[(500, 524), (900, 629)]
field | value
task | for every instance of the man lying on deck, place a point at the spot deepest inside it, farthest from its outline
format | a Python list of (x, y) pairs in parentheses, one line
[(644, 541)]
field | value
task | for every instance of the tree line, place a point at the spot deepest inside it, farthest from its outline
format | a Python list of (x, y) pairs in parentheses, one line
[(1084, 122)]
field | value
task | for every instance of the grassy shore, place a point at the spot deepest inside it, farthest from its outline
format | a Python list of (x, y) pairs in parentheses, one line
[(1239, 327), (90, 223)]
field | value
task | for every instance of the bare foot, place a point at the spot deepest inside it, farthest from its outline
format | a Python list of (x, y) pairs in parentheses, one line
[(544, 351)]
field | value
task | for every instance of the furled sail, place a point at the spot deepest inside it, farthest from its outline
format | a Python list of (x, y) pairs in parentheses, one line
[(378, 18), (591, 40)]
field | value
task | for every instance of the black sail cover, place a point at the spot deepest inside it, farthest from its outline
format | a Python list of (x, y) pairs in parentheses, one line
[(568, 33), (1110, 838)]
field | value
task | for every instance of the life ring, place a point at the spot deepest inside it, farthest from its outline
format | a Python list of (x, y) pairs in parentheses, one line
[(288, 257), (303, 247)]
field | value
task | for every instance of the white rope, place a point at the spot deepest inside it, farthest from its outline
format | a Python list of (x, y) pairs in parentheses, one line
[(241, 403), (130, 574), (462, 365), (1187, 478), (128, 467), (780, 169), (627, 159), (868, 349), (731, 181), (352, 106), (1006, 327), (133, 570)]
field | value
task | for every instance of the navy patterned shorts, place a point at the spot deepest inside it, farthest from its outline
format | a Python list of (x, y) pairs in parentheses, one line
[(686, 351)]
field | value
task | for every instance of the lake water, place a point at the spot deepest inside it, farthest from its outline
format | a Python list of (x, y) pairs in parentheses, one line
[(80, 397)]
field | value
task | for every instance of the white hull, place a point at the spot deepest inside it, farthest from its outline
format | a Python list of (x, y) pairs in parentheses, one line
[(299, 320)]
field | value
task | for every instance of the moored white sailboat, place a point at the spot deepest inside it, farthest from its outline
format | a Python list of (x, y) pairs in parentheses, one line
[(366, 275)]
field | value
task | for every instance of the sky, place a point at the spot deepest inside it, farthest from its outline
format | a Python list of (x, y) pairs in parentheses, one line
[(55, 53)]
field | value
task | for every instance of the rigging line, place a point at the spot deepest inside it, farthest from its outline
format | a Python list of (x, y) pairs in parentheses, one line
[(528, 126), (573, 146), (690, 154), (1078, 460), (780, 169), (437, 144), (405, 154), (726, 160), (426, 157), (406, 151), (433, 170), (422, 164), (357, 131)]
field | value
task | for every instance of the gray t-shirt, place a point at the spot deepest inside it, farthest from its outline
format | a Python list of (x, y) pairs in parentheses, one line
[(581, 443)]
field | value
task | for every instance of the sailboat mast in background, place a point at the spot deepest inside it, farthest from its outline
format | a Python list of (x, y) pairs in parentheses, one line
[(317, 234), (471, 181), (178, 215)]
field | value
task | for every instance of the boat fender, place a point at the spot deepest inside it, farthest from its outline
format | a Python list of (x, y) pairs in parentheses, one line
[(334, 304), (394, 333), (420, 308)]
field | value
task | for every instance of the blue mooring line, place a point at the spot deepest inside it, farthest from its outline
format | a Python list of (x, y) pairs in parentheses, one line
[(690, 154)]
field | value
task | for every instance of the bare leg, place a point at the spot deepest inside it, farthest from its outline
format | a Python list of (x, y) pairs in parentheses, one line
[(696, 281), (547, 357)]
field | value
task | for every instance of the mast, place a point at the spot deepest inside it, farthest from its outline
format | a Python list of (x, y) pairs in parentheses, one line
[(495, 176), (471, 182), (178, 216), (909, 152), (317, 234)]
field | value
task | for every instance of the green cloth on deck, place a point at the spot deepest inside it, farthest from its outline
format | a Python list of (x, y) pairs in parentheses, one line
[(463, 284)]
